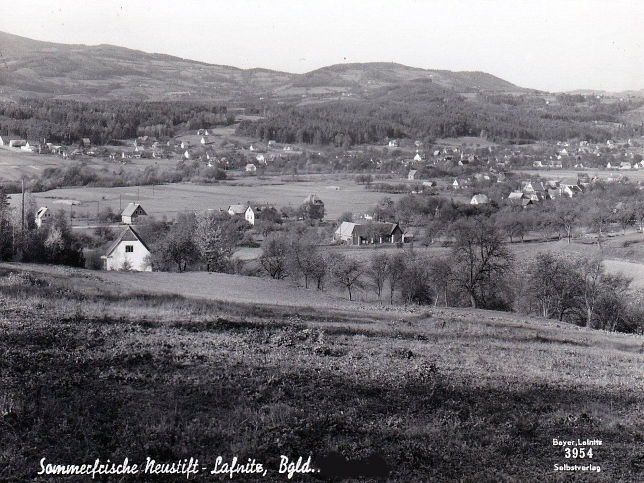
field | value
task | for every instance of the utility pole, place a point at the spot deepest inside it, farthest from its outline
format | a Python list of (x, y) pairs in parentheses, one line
[(23, 204), (120, 207)]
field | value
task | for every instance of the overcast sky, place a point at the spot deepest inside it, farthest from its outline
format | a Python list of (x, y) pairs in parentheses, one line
[(544, 44)]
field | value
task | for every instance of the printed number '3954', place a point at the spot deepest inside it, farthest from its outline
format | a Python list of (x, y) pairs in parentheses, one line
[(578, 453)]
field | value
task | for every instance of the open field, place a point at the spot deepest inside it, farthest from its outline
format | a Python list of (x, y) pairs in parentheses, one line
[(432, 394), (338, 193), (15, 164), (211, 286)]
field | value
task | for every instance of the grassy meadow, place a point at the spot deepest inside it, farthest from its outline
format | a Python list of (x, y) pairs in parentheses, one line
[(91, 368), (339, 193)]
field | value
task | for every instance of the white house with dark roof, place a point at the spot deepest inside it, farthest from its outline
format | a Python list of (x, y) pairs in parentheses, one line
[(42, 215), (254, 213), (128, 252), (131, 213)]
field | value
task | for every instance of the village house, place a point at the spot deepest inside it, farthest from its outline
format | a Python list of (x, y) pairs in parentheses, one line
[(368, 233), (86, 142), (42, 216), (28, 147), (131, 213), (251, 168), (16, 143), (237, 210), (254, 213), (412, 174), (479, 199), (393, 143), (128, 252), (418, 157)]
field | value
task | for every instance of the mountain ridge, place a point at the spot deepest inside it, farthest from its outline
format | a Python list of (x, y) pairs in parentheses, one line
[(104, 71)]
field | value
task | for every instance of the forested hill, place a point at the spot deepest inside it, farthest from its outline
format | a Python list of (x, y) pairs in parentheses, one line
[(34, 68), (343, 104)]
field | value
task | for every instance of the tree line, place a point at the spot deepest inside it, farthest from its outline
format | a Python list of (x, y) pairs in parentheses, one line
[(410, 111), (478, 272), (68, 122)]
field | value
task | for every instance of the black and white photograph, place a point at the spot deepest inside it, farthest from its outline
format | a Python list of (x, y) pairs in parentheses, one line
[(322, 240)]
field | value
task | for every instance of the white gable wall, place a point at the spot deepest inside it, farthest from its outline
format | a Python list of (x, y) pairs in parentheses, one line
[(137, 258), (250, 216)]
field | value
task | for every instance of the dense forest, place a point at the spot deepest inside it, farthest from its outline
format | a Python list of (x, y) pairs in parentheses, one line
[(67, 122), (420, 110)]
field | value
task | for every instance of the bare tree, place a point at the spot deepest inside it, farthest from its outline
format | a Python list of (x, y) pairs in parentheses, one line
[(304, 258), (480, 258), (347, 273), (440, 271), (378, 267), (567, 215), (216, 236), (395, 272), (275, 255), (177, 247)]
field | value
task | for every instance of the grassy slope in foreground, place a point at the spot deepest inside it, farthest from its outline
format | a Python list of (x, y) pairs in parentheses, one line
[(437, 393)]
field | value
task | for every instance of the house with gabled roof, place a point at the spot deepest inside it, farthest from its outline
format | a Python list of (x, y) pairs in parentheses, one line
[(515, 195), (479, 199), (237, 210), (128, 253), (254, 212), (42, 215), (368, 233), (131, 213)]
